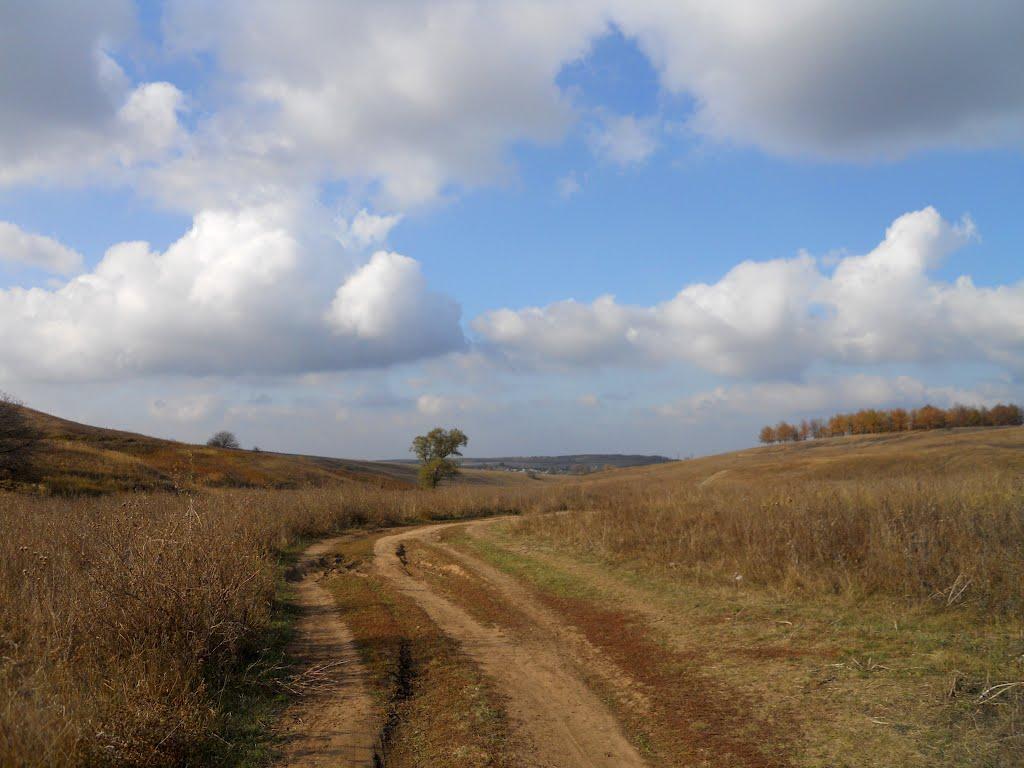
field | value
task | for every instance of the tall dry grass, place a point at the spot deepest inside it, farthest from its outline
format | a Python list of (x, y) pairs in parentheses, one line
[(123, 619), (951, 539)]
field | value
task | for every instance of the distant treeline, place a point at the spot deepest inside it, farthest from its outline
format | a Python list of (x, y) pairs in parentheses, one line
[(870, 421)]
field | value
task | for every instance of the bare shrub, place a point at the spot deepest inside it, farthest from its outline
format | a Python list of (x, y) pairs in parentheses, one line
[(224, 439), (18, 439), (123, 618)]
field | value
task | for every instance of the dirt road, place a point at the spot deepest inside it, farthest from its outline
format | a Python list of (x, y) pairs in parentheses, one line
[(333, 725), (565, 723), (558, 720)]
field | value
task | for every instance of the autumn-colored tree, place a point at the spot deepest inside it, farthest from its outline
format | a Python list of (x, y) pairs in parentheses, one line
[(899, 419), (870, 421), (840, 424), (929, 417), (786, 432), (1006, 415), (962, 416), (876, 422), (858, 423)]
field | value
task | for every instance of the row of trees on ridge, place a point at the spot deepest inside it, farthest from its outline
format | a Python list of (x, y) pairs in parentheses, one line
[(871, 421)]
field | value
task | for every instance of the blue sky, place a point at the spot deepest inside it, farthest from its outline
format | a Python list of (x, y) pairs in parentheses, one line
[(383, 220)]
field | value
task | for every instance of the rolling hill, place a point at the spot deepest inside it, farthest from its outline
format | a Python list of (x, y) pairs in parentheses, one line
[(78, 458), (856, 457)]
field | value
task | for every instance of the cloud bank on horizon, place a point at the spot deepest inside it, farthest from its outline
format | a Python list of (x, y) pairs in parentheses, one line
[(780, 317), (297, 137)]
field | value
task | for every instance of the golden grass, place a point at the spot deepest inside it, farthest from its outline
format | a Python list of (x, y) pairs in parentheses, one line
[(807, 680), (124, 619), (952, 539), (870, 586), (79, 459), (929, 521)]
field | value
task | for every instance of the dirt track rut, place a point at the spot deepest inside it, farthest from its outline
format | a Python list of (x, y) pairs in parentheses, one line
[(332, 727), (565, 723)]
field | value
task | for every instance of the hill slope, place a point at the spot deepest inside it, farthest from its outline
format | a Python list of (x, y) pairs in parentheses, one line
[(858, 457), (77, 458)]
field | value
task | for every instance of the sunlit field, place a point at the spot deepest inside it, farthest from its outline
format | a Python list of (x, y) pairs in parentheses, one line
[(132, 624), (126, 619)]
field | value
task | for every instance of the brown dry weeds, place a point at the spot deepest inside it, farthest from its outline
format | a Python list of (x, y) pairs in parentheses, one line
[(125, 621)]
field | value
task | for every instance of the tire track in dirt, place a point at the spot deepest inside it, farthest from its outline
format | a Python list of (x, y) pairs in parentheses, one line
[(564, 721), (332, 726), (606, 638)]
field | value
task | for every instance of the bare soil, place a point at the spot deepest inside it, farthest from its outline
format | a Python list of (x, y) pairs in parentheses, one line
[(562, 721), (332, 724)]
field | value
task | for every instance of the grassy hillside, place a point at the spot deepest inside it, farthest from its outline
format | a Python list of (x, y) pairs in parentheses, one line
[(853, 601), (859, 457), (913, 514), (77, 458)]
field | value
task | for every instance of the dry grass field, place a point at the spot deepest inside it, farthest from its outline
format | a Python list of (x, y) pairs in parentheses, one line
[(128, 621), (909, 515), (850, 601), (79, 459), (854, 601)]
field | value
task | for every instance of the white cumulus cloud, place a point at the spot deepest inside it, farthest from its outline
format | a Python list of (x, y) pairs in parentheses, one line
[(387, 305), (240, 292), (777, 318), (414, 96), (818, 397), (366, 229), (20, 247), (404, 101)]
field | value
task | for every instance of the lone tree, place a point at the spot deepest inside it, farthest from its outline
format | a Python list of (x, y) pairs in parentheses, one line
[(18, 439), (433, 450), (223, 439)]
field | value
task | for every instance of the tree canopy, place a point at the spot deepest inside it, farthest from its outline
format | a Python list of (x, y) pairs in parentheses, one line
[(870, 421), (223, 439), (434, 450)]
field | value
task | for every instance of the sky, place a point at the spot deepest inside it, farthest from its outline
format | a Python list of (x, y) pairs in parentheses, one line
[(638, 226)]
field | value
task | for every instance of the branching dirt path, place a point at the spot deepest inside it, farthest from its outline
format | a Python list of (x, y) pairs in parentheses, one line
[(566, 724), (332, 725)]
